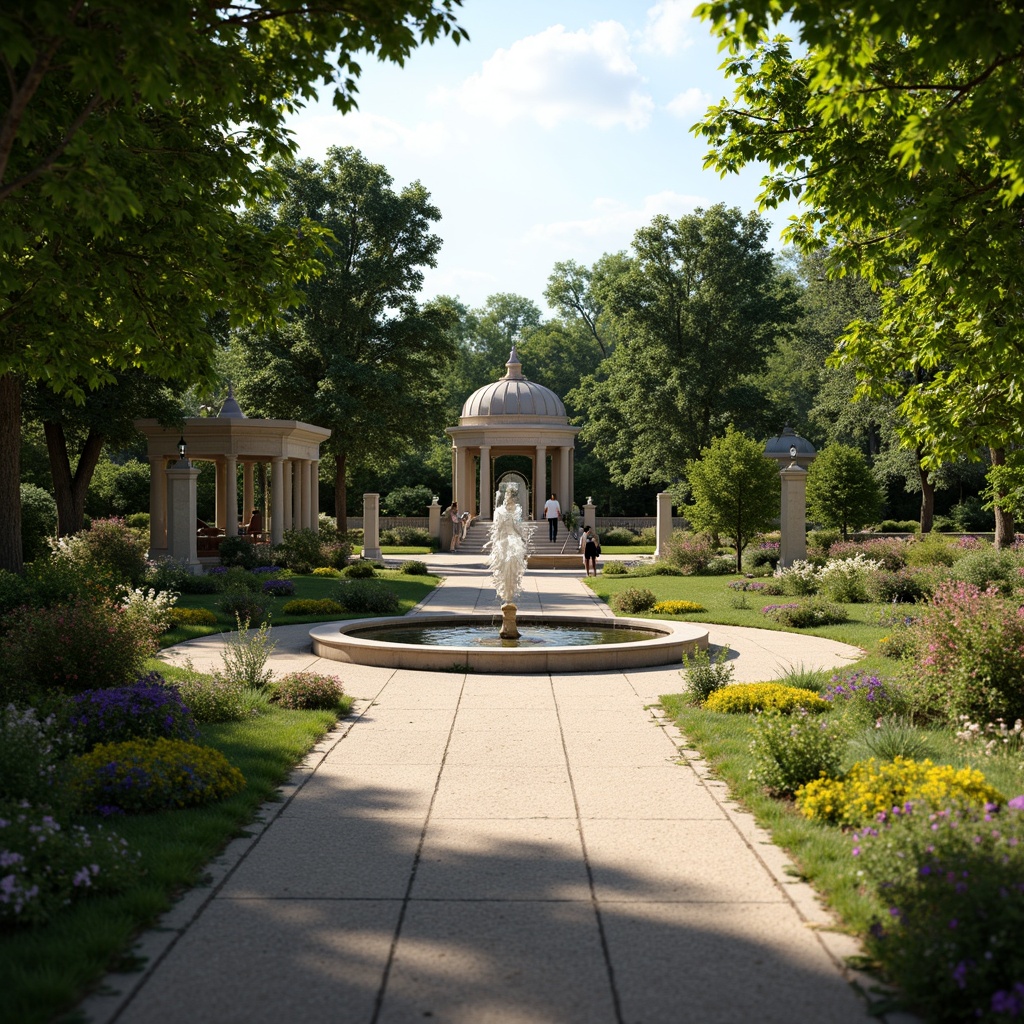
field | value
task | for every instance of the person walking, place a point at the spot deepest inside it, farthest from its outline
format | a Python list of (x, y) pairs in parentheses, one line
[(552, 513), (456, 520), (591, 548)]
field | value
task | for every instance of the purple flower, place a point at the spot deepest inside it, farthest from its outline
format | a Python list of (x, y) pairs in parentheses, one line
[(1016, 803)]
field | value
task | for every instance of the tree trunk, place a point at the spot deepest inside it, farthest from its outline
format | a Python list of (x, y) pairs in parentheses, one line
[(340, 494), (70, 489), (927, 498), (1006, 528), (10, 473)]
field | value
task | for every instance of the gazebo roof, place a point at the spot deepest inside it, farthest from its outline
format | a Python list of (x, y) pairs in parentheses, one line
[(513, 399)]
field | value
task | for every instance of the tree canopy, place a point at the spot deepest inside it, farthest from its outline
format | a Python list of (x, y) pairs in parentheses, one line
[(841, 490)]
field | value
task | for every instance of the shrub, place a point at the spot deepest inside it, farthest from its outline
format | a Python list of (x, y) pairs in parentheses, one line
[(859, 698), (216, 699), (769, 587), (38, 520), (238, 551), (705, 677), (950, 876), (147, 709), (690, 552), (899, 526), (613, 569), (175, 576), (887, 587), (152, 775), (931, 549), (149, 608), (414, 567), (243, 604), (656, 569), (13, 592), (648, 536), (193, 617), (992, 738), (898, 645), (820, 541), (743, 698), (872, 788), (764, 553), (407, 537), (799, 579), (986, 568), (246, 654), (972, 655), (312, 606), (890, 738), (47, 865), (360, 570), (234, 578), (618, 536), (792, 750), (65, 575), (326, 570), (407, 501), (371, 596), (803, 615), (678, 608), (116, 549), (307, 691), (278, 588), (80, 646), (634, 600), (845, 579), (720, 565), (305, 550), (30, 747)]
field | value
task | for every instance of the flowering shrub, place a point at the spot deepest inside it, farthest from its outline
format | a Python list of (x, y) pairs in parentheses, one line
[(986, 568), (677, 608), (146, 709), (367, 596), (859, 698), (971, 646), (932, 549), (44, 865), (742, 698), (30, 747), (152, 775), (279, 588), (815, 612), (885, 587), (193, 617), (326, 570), (952, 878), (871, 788), (312, 606), (765, 552), (992, 738), (78, 646), (177, 576), (217, 699), (791, 750), (798, 579), (897, 645), (845, 579), (117, 550), (246, 653), (692, 553), (704, 676), (634, 600), (149, 608), (307, 690)]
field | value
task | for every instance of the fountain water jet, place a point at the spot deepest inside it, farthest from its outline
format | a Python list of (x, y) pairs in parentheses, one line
[(509, 548)]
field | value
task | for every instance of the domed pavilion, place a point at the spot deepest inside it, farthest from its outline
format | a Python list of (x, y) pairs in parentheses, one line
[(512, 416)]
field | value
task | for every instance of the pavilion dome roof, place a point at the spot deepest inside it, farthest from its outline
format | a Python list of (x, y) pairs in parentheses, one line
[(513, 398)]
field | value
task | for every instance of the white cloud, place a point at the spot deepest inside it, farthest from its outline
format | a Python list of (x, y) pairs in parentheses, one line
[(667, 29), (692, 101), (371, 133), (558, 76)]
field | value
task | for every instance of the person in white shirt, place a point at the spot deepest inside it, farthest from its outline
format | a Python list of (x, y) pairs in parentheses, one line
[(552, 513)]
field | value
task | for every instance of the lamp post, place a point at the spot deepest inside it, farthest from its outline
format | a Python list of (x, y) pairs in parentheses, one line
[(182, 461)]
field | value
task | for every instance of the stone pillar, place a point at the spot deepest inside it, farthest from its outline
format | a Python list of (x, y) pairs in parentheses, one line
[(221, 506), (181, 514), (306, 514), (314, 495), (485, 481), (371, 525), (288, 498), (276, 499), (590, 514), (564, 497), (157, 506), (248, 491), (434, 518), (572, 476), (231, 494), (663, 530), (465, 497), (540, 481), (793, 518)]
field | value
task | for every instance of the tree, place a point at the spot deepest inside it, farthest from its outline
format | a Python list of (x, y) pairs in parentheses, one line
[(841, 489), (359, 356), (696, 310), (900, 131), (735, 489), (129, 136)]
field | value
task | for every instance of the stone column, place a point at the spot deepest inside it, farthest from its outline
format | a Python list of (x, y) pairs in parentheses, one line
[(572, 476), (793, 518), (663, 529), (465, 497), (305, 516), (371, 525), (181, 515), (434, 518), (314, 495), (564, 495), (540, 480), (248, 491), (485, 481), (231, 494), (288, 497), (221, 506), (590, 514), (158, 506), (276, 499)]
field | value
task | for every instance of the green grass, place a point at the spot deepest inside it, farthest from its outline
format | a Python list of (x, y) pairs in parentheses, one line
[(408, 550), (410, 590), (47, 969), (627, 549)]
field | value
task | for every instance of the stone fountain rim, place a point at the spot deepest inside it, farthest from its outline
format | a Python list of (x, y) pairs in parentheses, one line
[(331, 640)]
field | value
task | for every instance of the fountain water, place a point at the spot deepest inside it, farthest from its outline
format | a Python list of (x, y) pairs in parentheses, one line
[(509, 548)]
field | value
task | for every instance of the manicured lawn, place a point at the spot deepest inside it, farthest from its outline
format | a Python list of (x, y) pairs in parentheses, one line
[(627, 549), (46, 970)]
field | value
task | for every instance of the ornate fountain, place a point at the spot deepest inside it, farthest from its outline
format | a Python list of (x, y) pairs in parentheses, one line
[(509, 548)]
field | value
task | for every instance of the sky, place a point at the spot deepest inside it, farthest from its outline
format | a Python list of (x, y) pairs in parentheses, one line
[(554, 133)]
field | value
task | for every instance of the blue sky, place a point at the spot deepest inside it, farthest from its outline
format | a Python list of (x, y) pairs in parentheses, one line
[(560, 128)]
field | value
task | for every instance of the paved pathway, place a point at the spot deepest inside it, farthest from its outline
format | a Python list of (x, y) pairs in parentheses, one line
[(509, 849)]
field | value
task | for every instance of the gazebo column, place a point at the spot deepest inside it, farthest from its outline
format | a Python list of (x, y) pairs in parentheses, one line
[(305, 514), (572, 476), (485, 481), (540, 478), (465, 487), (221, 505), (276, 499), (248, 490), (314, 494), (563, 479), (287, 498), (231, 494), (157, 505)]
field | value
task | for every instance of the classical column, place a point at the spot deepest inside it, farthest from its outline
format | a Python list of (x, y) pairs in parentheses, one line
[(794, 515), (305, 516), (572, 476), (231, 494), (288, 497), (455, 471), (485, 481), (314, 494), (540, 480), (221, 507), (181, 514), (248, 491), (564, 495), (663, 528), (371, 526), (157, 506), (276, 499), (465, 483)]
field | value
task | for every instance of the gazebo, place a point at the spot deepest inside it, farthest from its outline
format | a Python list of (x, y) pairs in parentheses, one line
[(512, 416), (290, 447)]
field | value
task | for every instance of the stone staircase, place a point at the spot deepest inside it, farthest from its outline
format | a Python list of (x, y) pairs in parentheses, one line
[(542, 549)]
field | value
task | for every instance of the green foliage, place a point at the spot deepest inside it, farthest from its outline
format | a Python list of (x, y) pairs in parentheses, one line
[(13, 591), (792, 750), (988, 567), (118, 489), (407, 501), (304, 551), (413, 567), (177, 577), (237, 551), (243, 604), (889, 738), (932, 549), (214, 698), (690, 552), (312, 606), (31, 746), (38, 520), (744, 698), (406, 537), (656, 569), (841, 490), (360, 570), (193, 617), (634, 600), (678, 608), (614, 569), (307, 691), (735, 489), (904, 585), (150, 775), (618, 536), (705, 677), (363, 595), (804, 614), (246, 654)]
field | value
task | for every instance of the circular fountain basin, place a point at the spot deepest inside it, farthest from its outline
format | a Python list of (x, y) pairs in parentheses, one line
[(471, 642)]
